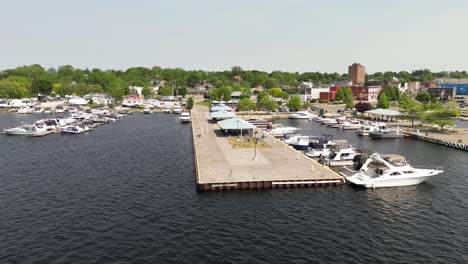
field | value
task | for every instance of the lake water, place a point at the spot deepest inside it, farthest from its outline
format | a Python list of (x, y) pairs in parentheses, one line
[(125, 193)]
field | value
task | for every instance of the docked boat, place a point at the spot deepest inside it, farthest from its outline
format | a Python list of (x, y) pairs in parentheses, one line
[(365, 130), (177, 110), (340, 155), (185, 117), (326, 120), (167, 110), (278, 130), (59, 109), (48, 110), (305, 114), (390, 171), (147, 111), (24, 130), (351, 125), (38, 110), (71, 130), (298, 142), (320, 146), (25, 110), (386, 133)]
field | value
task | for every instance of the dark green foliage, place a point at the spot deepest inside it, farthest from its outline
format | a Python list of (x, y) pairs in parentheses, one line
[(190, 102), (362, 107), (423, 97)]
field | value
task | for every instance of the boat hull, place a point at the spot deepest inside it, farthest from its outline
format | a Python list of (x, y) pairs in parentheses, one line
[(381, 136), (387, 182)]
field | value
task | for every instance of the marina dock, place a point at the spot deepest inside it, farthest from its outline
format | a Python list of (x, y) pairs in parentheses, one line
[(220, 166)]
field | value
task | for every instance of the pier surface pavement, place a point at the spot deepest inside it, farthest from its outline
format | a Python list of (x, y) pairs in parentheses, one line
[(219, 164)]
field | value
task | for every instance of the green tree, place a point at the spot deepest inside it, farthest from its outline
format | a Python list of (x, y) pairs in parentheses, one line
[(411, 109), (267, 104), (147, 92), (275, 92), (224, 93), (65, 89), (182, 91), (423, 97), (190, 102), (9, 89), (362, 107), (383, 101), (246, 104), (306, 104), (41, 86), (443, 115), (166, 91), (295, 102)]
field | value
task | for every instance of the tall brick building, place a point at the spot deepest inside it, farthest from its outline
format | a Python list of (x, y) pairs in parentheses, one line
[(357, 74)]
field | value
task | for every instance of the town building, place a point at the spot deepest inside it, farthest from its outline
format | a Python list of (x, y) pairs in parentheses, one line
[(443, 93), (99, 98), (365, 93), (134, 100), (461, 85), (357, 74)]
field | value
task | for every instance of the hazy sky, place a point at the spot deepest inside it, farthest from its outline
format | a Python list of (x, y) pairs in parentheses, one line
[(289, 35)]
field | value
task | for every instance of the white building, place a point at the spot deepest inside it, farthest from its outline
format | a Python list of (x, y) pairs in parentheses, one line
[(100, 98), (133, 101)]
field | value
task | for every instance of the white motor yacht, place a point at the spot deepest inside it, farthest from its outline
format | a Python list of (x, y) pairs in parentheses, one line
[(390, 171), (341, 155), (71, 130), (38, 110), (351, 125), (320, 146), (305, 114), (177, 109), (48, 110), (365, 130), (185, 117), (279, 130), (25, 110), (25, 130), (59, 109), (326, 120), (386, 133), (298, 142)]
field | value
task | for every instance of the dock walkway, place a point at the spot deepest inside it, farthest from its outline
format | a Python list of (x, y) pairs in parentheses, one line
[(220, 166)]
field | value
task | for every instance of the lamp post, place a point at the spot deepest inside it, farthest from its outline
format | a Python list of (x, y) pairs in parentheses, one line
[(255, 145)]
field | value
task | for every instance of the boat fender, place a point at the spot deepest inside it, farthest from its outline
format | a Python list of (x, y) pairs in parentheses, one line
[(457, 145), (466, 147), (444, 142), (461, 146), (450, 144)]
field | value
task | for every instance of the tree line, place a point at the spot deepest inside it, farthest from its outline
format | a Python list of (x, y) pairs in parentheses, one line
[(27, 81)]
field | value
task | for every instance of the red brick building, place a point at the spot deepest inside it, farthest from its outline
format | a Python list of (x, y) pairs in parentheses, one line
[(365, 93), (357, 74)]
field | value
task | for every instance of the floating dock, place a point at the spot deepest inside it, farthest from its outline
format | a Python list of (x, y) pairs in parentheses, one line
[(220, 166), (453, 141)]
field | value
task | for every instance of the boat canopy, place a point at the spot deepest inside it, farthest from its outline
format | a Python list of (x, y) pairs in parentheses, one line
[(385, 112), (222, 115), (235, 124)]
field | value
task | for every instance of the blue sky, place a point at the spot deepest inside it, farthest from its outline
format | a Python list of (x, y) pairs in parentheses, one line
[(293, 35)]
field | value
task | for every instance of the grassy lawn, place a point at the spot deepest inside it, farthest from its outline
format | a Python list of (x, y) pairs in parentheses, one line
[(203, 103), (243, 143)]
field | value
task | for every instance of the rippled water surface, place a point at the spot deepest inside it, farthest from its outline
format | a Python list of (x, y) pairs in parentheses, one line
[(125, 193)]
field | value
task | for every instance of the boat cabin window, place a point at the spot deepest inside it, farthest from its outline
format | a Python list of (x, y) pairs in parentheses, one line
[(395, 174), (408, 172)]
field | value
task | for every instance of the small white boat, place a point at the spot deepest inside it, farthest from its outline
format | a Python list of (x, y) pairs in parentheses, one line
[(341, 155), (365, 130), (71, 130), (278, 130), (321, 146), (24, 130), (390, 171), (177, 109), (305, 114), (351, 125), (38, 110), (59, 109), (326, 120), (298, 142), (147, 111), (185, 117), (386, 133), (25, 110), (48, 110), (167, 110)]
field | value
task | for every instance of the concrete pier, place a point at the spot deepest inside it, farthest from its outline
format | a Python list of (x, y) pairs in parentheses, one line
[(219, 166)]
